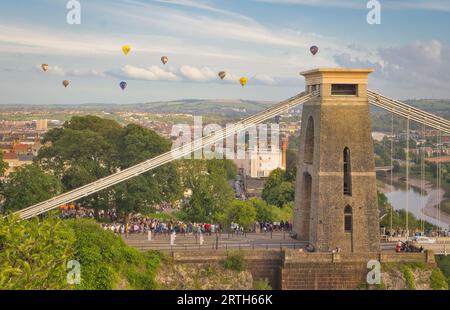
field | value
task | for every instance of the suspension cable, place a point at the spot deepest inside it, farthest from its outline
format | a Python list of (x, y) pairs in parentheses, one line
[(392, 163), (422, 181), (439, 180), (407, 177)]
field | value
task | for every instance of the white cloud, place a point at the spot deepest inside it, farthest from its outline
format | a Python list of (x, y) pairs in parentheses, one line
[(59, 71), (192, 74), (152, 73), (422, 68), (432, 5), (263, 79), (203, 6), (204, 74)]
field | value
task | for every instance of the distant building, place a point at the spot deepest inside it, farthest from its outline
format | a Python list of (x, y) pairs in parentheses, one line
[(259, 163), (41, 124), (15, 160)]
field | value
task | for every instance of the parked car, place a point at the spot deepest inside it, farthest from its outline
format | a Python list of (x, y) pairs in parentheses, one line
[(424, 239)]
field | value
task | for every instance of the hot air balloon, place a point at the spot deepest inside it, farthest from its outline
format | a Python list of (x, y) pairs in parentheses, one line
[(126, 49), (314, 49), (222, 75), (123, 85), (164, 59), (66, 83), (44, 67), (243, 81)]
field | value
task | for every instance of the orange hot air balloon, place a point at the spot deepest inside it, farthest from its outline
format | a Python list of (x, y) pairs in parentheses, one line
[(126, 49), (243, 81), (44, 67), (66, 83), (164, 59)]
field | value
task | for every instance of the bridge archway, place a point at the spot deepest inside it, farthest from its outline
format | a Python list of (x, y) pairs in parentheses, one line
[(306, 206), (309, 141)]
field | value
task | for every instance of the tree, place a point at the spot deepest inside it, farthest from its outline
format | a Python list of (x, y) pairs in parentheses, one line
[(264, 212), (278, 190), (3, 165), (140, 193), (29, 185), (84, 150), (210, 189), (88, 148), (239, 212), (291, 164)]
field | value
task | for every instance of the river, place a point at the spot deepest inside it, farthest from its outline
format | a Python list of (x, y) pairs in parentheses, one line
[(422, 206)]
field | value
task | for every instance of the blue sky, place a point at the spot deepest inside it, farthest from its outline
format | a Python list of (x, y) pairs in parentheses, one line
[(265, 40)]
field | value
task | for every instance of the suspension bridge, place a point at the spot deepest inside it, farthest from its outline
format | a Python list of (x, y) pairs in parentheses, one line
[(393, 106)]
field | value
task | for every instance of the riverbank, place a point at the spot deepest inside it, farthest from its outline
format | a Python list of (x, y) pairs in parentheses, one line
[(434, 196)]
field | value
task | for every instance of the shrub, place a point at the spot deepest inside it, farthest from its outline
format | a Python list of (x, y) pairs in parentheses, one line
[(235, 262), (438, 280), (34, 254), (409, 277), (105, 258), (262, 285)]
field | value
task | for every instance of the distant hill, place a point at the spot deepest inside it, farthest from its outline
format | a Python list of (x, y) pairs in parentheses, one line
[(198, 106), (227, 108)]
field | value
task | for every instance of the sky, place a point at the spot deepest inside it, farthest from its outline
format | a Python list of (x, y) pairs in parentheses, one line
[(267, 41)]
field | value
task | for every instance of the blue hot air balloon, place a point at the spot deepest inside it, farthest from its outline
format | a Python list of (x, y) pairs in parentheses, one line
[(123, 85)]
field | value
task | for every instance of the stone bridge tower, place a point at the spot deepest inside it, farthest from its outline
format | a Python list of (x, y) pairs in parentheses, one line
[(336, 195)]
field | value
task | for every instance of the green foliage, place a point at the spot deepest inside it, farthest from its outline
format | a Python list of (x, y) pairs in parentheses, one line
[(438, 280), (105, 259), (234, 262), (264, 212), (240, 212), (262, 285), (409, 277), (268, 213), (443, 263), (34, 254), (89, 147), (3, 165), (29, 185), (210, 189), (144, 278), (399, 220), (279, 189)]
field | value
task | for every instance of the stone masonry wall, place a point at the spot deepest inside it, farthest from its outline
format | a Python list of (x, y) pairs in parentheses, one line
[(293, 270)]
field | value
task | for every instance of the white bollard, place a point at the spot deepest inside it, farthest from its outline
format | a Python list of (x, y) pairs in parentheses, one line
[(149, 236), (172, 238), (201, 239)]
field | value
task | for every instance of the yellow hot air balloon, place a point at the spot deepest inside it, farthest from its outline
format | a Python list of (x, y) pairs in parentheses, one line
[(44, 67), (66, 83), (126, 49), (243, 80)]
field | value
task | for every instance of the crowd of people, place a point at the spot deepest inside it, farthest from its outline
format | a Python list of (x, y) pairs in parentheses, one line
[(141, 224), (403, 233)]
